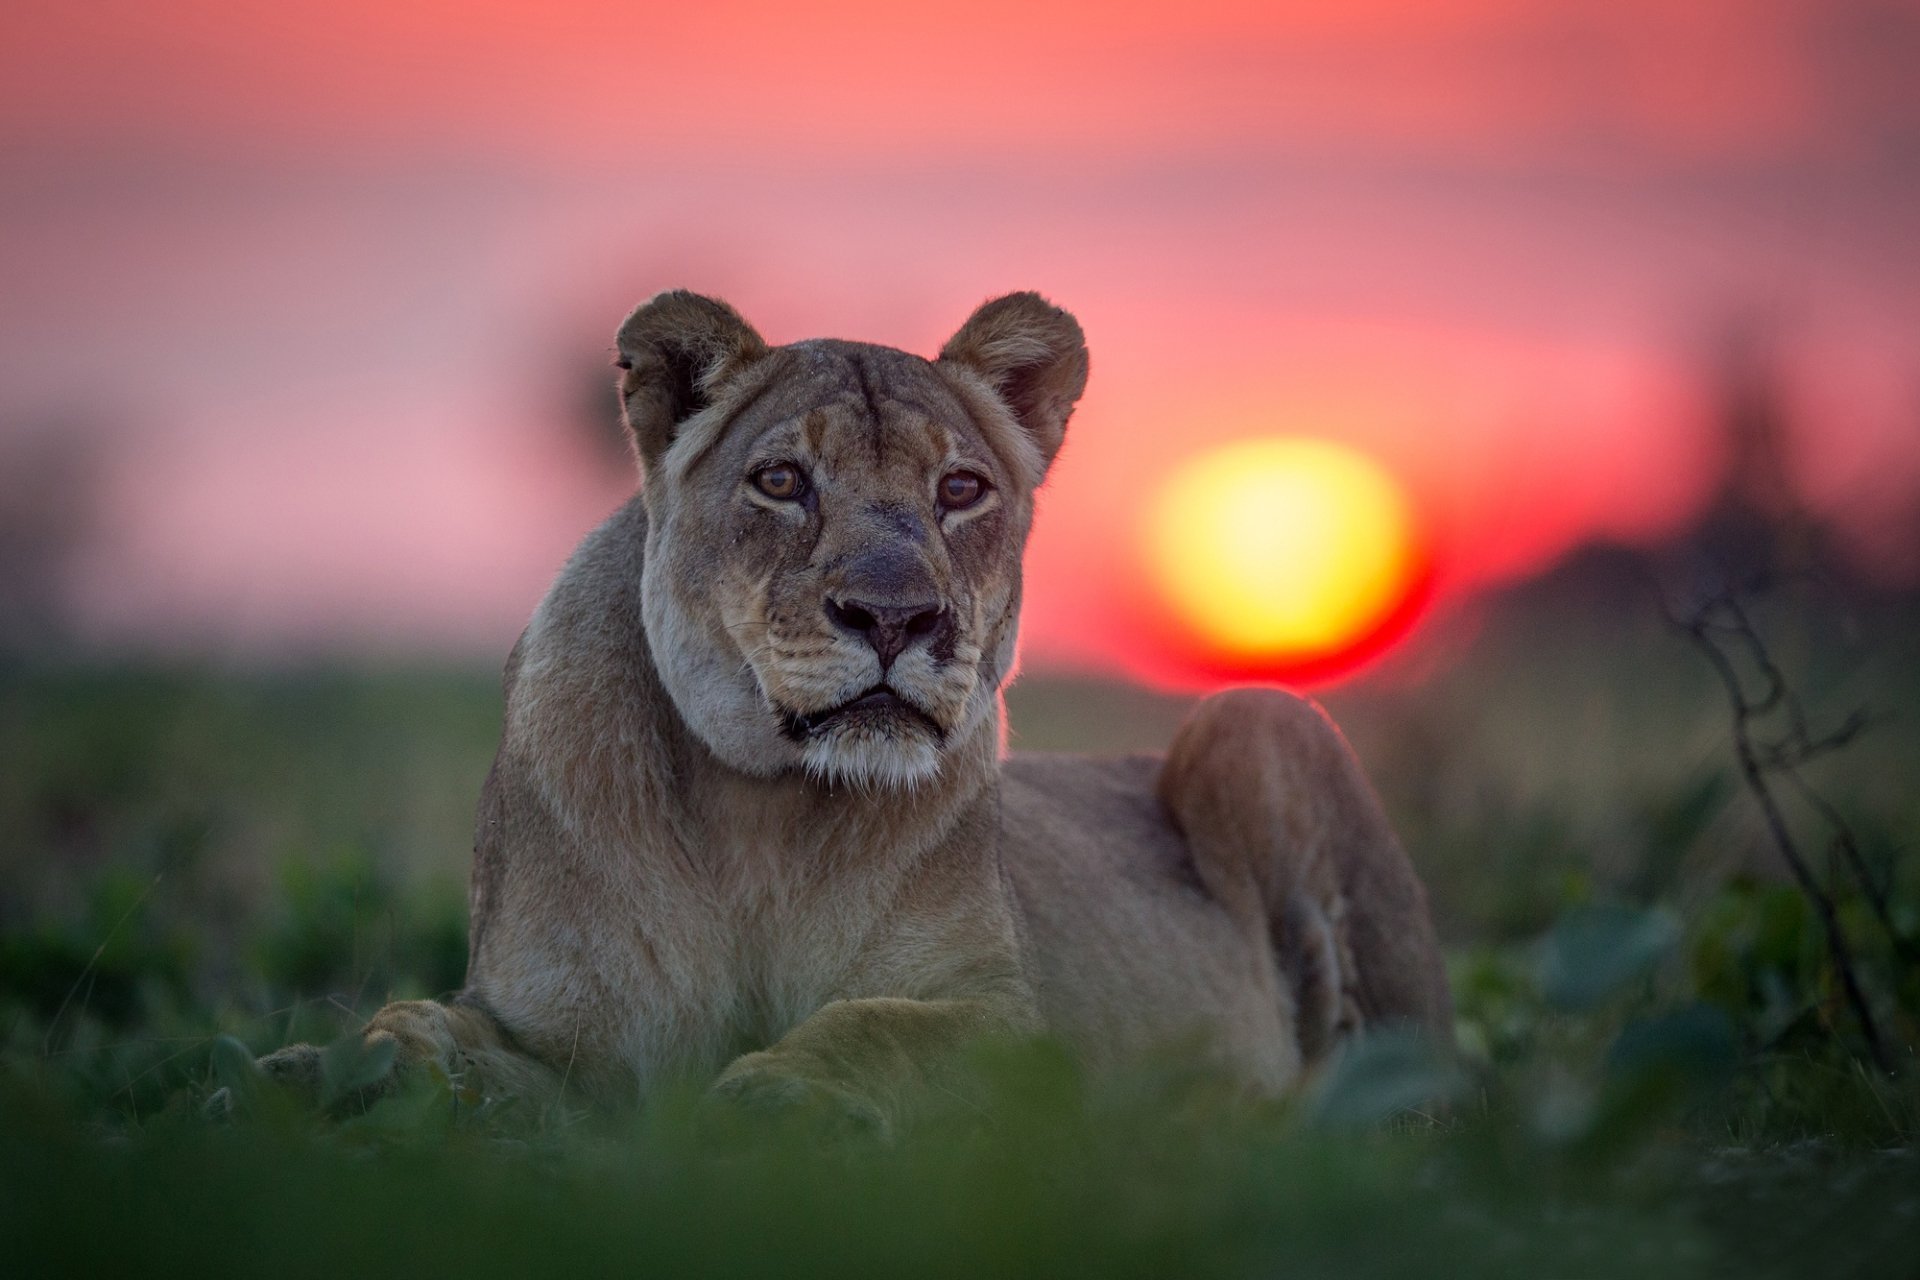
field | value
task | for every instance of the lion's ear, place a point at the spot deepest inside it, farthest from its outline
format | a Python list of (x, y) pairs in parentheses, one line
[(1033, 355), (676, 350)]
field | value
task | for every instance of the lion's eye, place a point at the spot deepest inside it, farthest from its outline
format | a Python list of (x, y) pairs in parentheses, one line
[(780, 480), (961, 489)]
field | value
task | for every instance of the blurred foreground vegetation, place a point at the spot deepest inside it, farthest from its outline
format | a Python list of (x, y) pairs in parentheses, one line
[(1658, 1075)]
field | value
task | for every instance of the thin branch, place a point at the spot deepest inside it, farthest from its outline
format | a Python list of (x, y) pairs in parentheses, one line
[(1720, 619), (1798, 746), (1847, 847)]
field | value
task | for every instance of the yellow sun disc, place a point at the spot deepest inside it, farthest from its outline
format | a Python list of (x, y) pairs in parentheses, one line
[(1281, 548)]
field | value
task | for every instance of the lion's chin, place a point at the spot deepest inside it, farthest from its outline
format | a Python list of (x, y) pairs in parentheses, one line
[(873, 741), (871, 759)]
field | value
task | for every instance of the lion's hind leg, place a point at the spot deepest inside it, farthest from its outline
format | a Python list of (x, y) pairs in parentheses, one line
[(1285, 831)]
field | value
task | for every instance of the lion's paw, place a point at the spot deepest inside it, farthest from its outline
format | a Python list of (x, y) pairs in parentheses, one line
[(346, 1075), (771, 1082), (299, 1068)]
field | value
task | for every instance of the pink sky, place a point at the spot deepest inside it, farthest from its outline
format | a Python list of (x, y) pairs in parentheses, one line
[(330, 281)]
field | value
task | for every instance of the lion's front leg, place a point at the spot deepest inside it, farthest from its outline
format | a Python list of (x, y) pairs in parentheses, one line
[(866, 1058)]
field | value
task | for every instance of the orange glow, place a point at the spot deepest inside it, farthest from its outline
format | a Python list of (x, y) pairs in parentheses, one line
[(1282, 554)]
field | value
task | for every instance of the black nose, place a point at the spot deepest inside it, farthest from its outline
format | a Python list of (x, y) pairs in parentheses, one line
[(888, 628)]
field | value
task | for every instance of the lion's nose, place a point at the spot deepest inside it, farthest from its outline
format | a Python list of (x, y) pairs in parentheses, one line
[(888, 628)]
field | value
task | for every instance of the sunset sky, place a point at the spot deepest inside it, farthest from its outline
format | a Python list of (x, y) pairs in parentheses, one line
[(330, 286)]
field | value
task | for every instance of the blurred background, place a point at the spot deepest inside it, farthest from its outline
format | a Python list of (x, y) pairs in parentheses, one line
[(307, 317), (305, 336)]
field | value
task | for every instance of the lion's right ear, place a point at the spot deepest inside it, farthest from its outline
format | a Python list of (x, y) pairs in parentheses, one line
[(676, 351)]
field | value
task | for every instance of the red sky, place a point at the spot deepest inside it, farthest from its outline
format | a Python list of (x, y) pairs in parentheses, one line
[(329, 279)]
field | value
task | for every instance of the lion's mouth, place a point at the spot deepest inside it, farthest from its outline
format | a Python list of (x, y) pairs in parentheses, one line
[(877, 705)]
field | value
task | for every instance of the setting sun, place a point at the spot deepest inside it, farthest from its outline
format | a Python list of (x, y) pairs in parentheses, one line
[(1282, 551)]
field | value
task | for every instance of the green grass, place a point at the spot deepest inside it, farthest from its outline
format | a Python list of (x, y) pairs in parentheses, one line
[(1657, 1076)]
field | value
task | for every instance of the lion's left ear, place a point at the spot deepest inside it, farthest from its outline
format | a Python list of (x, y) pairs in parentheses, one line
[(1034, 357), (676, 350)]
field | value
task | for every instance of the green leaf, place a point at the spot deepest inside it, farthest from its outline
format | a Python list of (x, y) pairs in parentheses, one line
[(1695, 1045), (1381, 1075), (1657, 1067), (1594, 952), (421, 1107), (353, 1063), (234, 1069)]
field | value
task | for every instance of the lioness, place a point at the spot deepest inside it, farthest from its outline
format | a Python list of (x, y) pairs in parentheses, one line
[(750, 818)]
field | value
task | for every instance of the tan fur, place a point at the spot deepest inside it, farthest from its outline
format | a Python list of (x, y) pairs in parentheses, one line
[(685, 869)]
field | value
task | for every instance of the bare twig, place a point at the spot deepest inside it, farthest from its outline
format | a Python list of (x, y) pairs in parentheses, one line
[(1848, 849), (1722, 630)]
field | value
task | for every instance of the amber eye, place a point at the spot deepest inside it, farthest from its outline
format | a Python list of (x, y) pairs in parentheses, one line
[(780, 480), (961, 489)]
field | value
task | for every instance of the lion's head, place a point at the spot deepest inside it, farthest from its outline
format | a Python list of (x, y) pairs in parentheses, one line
[(834, 530)]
